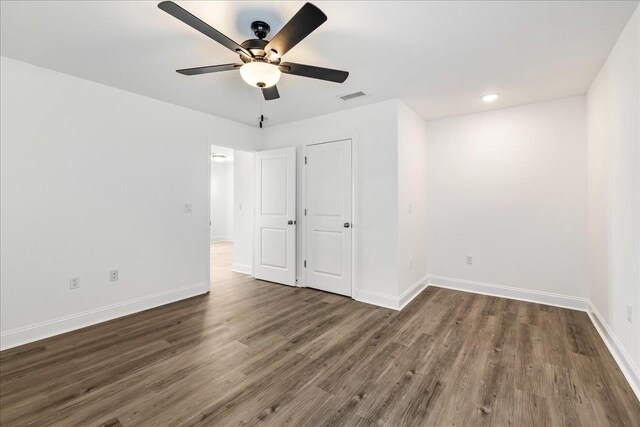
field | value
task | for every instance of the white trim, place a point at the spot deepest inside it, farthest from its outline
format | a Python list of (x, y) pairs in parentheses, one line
[(415, 289), (620, 355), (354, 215), (38, 331), (558, 300), (242, 268), (302, 222), (391, 301), (377, 298), (208, 218)]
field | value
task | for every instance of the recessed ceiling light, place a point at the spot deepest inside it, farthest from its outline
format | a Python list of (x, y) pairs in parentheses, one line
[(490, 97)]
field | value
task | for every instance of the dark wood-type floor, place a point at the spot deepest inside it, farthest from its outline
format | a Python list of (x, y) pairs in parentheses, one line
[(259, 353)]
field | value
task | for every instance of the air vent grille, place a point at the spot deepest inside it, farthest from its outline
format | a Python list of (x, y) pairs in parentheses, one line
[(353, 95)]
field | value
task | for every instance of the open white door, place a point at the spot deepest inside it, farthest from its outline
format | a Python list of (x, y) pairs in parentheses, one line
[(328, 221), (275, 250)]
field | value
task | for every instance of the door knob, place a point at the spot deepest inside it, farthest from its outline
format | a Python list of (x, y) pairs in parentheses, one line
[(347, 225), (290, 222)]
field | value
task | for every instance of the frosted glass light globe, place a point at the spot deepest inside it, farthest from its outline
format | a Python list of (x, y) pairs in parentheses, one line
[(260, 74)]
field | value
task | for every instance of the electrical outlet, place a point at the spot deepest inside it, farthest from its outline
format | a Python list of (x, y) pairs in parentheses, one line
[(114, 275), (188, 208), (469, 259), (74, 282), (629, 313)]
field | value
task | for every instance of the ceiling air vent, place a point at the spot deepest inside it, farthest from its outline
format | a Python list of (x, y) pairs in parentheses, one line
[(353, 95)]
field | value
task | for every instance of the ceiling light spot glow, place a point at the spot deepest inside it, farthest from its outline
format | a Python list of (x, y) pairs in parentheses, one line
[(489, 97)]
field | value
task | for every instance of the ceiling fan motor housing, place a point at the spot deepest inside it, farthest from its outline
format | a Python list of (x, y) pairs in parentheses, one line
[(260, 29), (256, 47)]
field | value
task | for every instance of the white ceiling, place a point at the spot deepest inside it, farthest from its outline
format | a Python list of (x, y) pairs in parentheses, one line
[(439, 57)]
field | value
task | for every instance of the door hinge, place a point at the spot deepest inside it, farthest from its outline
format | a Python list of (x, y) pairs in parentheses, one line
[(305, 263), (305, 160), (305, 212)]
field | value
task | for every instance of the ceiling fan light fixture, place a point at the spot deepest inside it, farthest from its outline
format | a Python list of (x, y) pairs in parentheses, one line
[(260, 74), (262, 58)]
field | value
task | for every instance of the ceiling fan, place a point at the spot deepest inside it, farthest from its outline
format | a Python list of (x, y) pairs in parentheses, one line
[(262, 59)]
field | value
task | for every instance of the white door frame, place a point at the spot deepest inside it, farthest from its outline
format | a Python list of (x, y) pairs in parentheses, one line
[(208, 218), (354, 212)]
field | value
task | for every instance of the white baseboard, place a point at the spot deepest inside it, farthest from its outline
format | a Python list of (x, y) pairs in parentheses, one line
[(413, 292), (558, 300), (24, 335), (242, 268), (27, 334), (391, 301), (622, 358), (377, 298)]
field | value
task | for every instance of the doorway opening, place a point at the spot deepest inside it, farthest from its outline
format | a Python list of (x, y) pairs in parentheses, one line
[(231, 216)]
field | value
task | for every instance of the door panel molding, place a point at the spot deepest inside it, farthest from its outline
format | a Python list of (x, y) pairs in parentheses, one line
[(329, 199), (275, 218)]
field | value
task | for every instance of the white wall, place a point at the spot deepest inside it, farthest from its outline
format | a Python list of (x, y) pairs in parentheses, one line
[(93, 179), (412, 200), (221, 202), (614, 193), (509, 188), (374, 132), (243, 213)]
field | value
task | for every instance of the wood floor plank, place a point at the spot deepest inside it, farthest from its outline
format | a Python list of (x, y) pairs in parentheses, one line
[(255, 353)]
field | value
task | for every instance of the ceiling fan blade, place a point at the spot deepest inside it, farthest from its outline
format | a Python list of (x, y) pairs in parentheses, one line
[(303, 23), (208, 69), (313, 72), (193, 21), (270, 93)]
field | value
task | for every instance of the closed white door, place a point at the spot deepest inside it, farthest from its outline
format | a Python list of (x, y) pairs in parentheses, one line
[(328, 227), (275, 234)]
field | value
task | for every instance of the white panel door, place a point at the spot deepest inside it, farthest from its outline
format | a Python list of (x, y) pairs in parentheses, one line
[(328, 220), (275, 234)]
